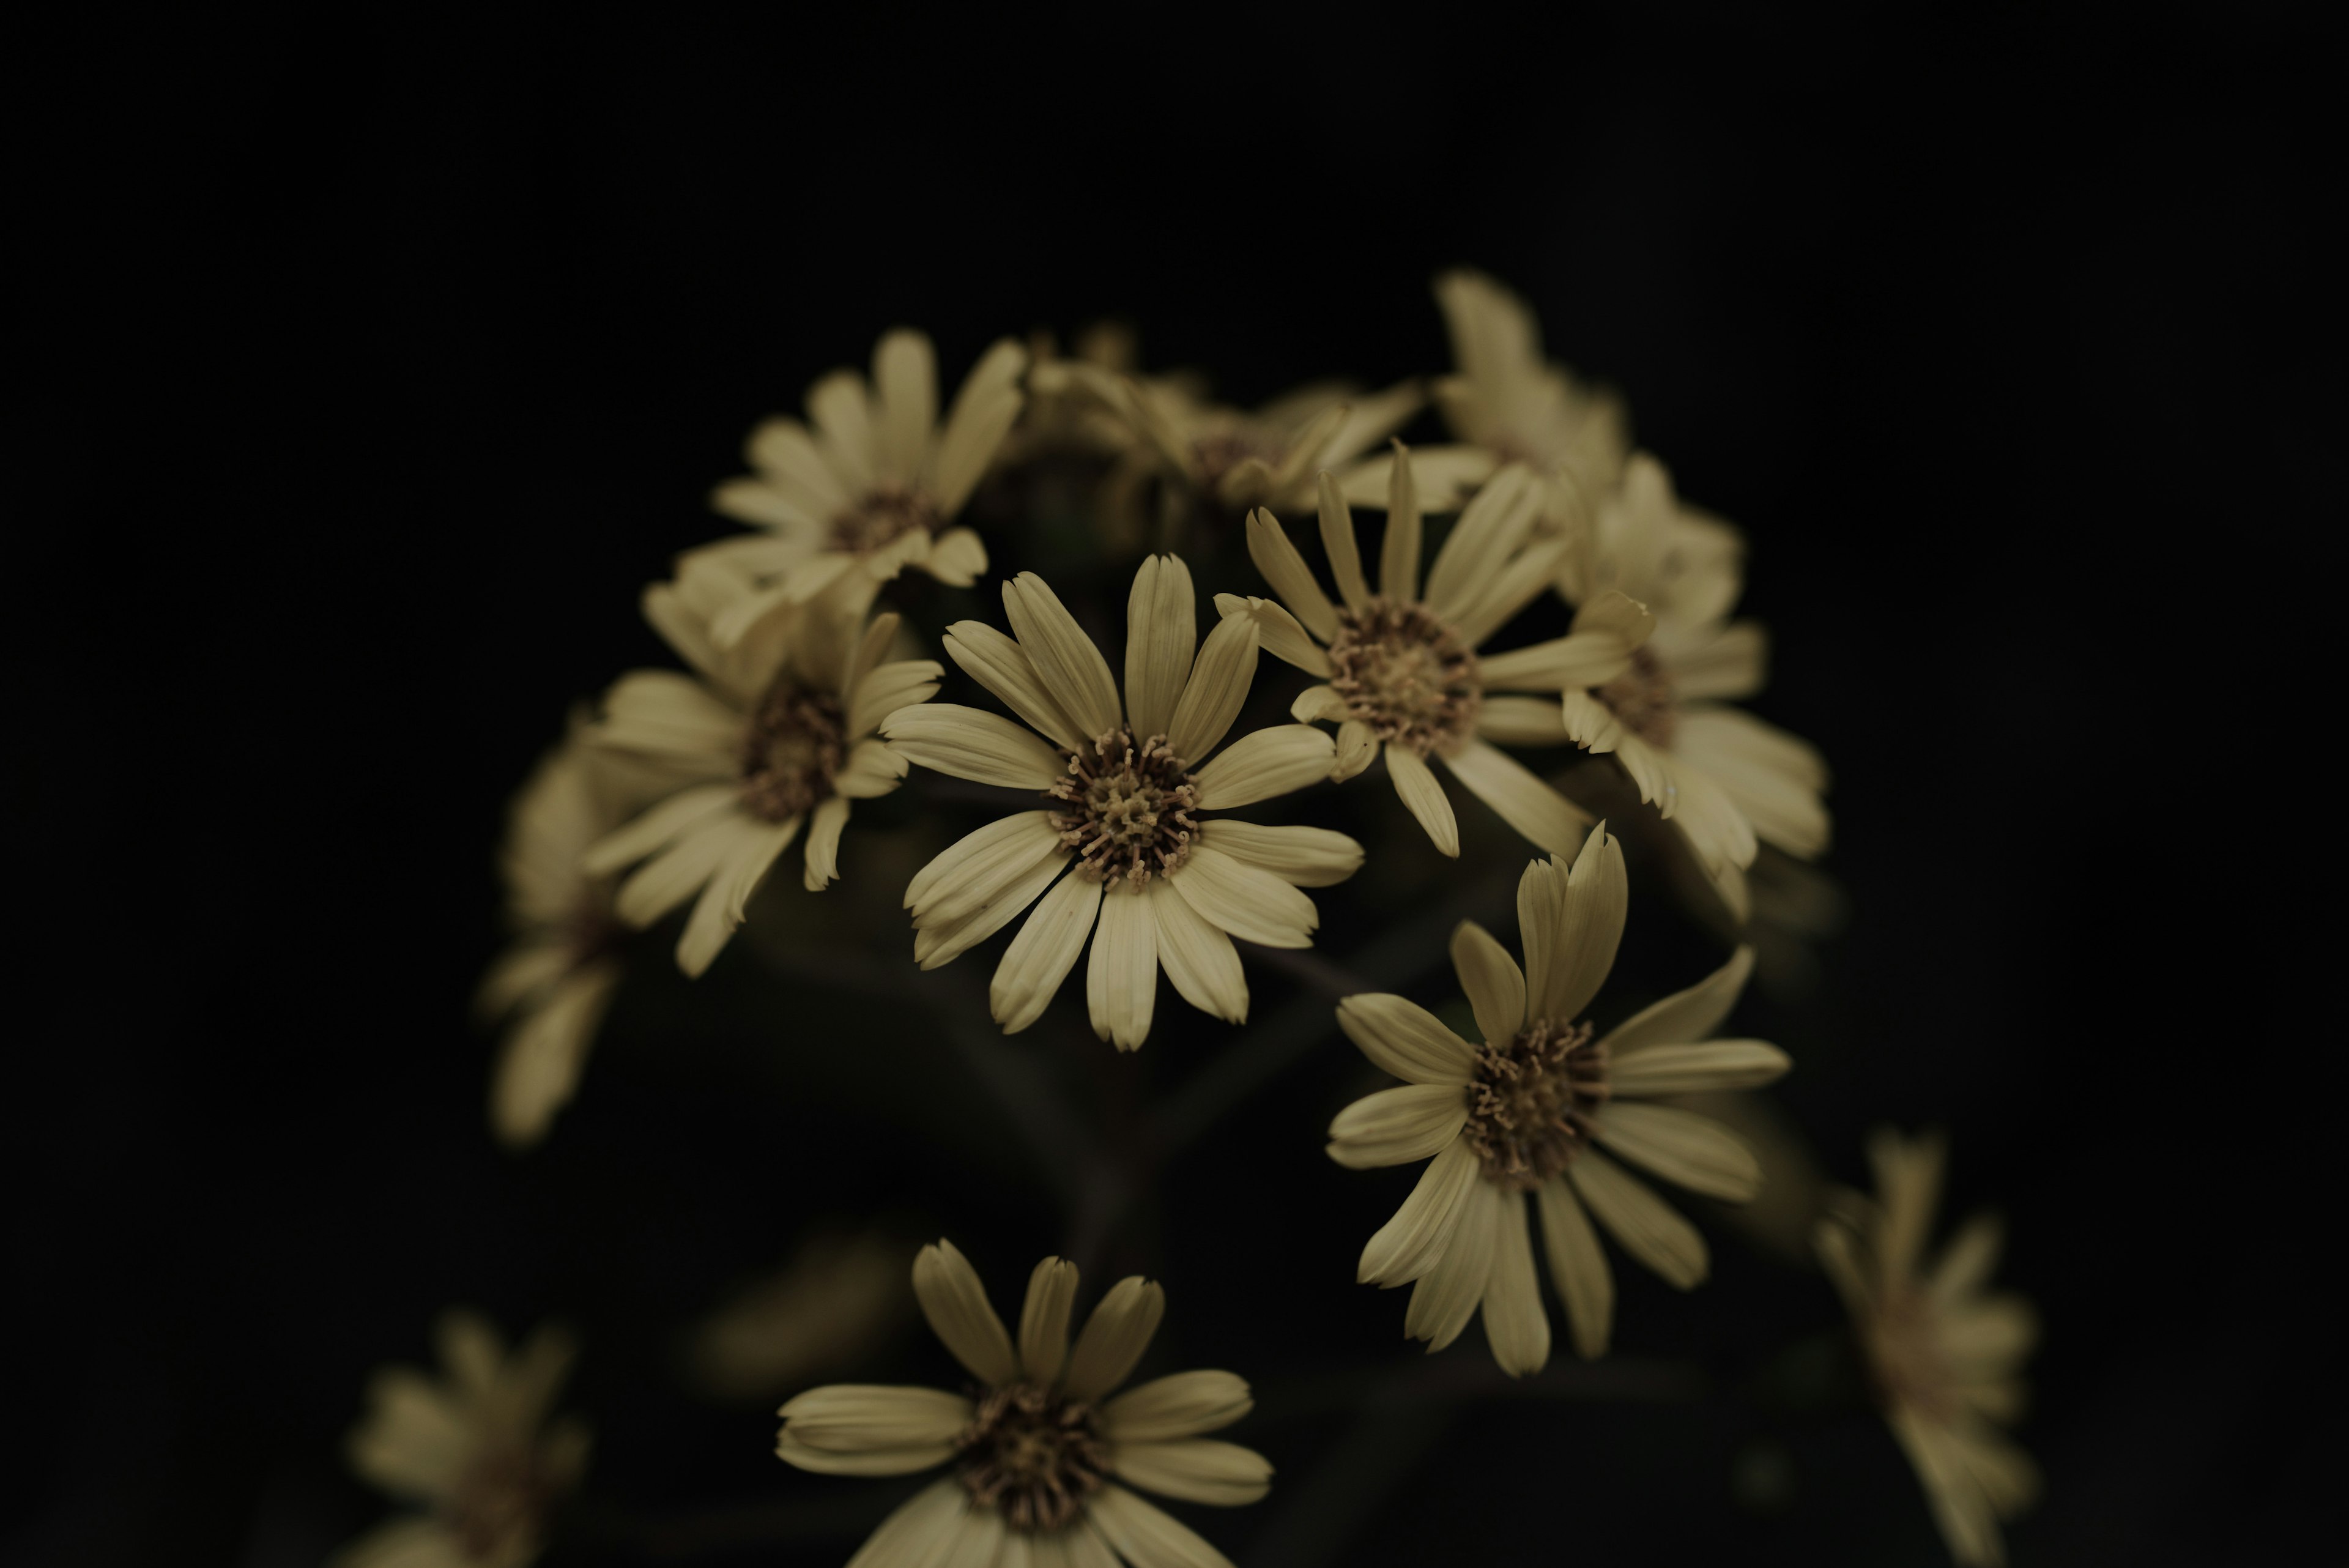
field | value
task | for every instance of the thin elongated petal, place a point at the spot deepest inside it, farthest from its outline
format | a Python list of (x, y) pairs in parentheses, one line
[(985, 863), (1966, 1263), (850, 1418), (1577, 1267), (1044, 1319), (825, 826), (1303, 857), (1445, 1299), (906, 1537), (871, 769), (1396, 1126), (1490, 527), (1399, 551), (1522, 721), (1560, 664), (952, 863), (782, 451), (1696, 1069), (1688, 1015), (896, 1461), (1218, 686), (1286, 570), (1184, 1404), (1357, 747), (1115, 1338), (674, 819), (670, 714), (1277, 633), (1147, 1537), (1515, 1324), (750, 851), (1161, 633), (1041, 955), (955, 1301), (1338, 543), (1407, 1246), (1414, 782), (889, 688), (1198, 956), (1253, 905), (1196, 1469), (1522, 578), (1681, 1146), (1404, 1039), (1645, 1224), (937, 943), (999, 663), (1264, 762), (1122, 980), (1071, 666), (972, 744), (1496, 987), (844, 422), (1518, 797), (905, 379), (982, 415), (1589, 927)]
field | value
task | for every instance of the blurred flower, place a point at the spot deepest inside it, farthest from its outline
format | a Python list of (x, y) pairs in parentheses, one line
[(1038, 1452), (1123, 788), (838, 1296), (474, 1447), (1266, 458), (1946, 1353), (556, 979), (1722, 775), (1402, 670), (1508, 405), (1522, 1117), (871, 489), (1074, 401), (776, 731)]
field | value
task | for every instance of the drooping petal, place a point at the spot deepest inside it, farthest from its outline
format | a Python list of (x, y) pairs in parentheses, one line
[(1518, 797), (1515, 1324), (1589, 927), (958, 557), (1577, 1267), (1041, 955), (825, 824), (1414, 783), (1277, 633), (1122, 979)]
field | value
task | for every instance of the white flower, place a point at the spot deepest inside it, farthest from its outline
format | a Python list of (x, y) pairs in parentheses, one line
[(469, 1448), (1125, 784), (776, 732), (1040, 1452), (1945, 1352), (1403, 677), (871, 490), (1516, 1126)]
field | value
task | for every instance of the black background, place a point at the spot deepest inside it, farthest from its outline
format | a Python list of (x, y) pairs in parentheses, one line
[(396, 358)]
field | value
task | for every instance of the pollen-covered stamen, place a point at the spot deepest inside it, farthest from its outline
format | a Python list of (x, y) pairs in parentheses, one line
[(790, 751), (1643, 698), (1032, 1455), (1126, 807), (1406, 674), (885, 515), (1530, 1103)]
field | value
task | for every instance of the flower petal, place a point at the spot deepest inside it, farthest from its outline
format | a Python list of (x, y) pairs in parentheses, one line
[(1115, 1338), (1337, 542), (1196, 1469), (1518, 797), (1681, 1146), (1522, 721), (1277, 633), (887, 688), (983, 865), (1396, 1126), (856, 1418), (1218, 686), (938, 943), (1041, 955), (1496, 987), (1198, 956), (971, 744), (983, 412), (1253, 905), (1404, 1039), (1044, 1320), (1563, 663), (1589, 927), (1284, 569), (825, 824), (1444, 1300), (1407, 1246), (915, 1529), (1302, 857), (1414, 782), (1066, 659), (1357, 747), (1688, 1015), (1654, 1070), (955, 1303), (1263, 763), (999, 663), (1399, 551), (751, 849), (1491, 526), (896, 1461), (1122, 980), (1577, 1267), (871, 769), (1183, 1405), (1147, 1537), (1161, 635), (1515, 1324), (680, 814), (842, 416), (905, 379), (1645, 1224)]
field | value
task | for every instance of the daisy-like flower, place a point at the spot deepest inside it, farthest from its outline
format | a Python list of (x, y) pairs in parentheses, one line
[(775, 732), (1507, 404), (474, 1447), (1724, 777), (1518, 1123), (556, 979), (1267, 457), (1402, 670), (1039, 1447), (1125, 787), (873, 488), (1945, 1352)]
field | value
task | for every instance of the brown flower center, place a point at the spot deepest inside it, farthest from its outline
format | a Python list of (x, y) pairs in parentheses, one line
[(1032, 1455), (499, 1506), (1905, 1349), (886, 513), (1126, 807), (1405, 674), (1643, 698), (1530, 1103), (793, 749)]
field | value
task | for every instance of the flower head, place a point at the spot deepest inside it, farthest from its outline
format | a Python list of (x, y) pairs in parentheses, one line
[(1121, 836), (774, 734), (1517, 1123), (1403, 677), (1945, 1351), (473, 1447), (1039, 1446), (1267, 457), (873, 488)]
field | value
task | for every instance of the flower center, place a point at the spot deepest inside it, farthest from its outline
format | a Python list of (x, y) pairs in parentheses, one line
[(1126, 808), (1405, 674), (1643, 698), (1530, 1103), (1907, 1351), (885, 515), (791, 751), (1220, 452), (499, 1503), (1032, 1455)]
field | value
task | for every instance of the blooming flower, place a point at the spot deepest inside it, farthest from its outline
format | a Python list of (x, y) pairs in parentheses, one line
[(474, 1447), (1507, 404), (1946, 1353), (1400, 665), (1724, 777), (1125, 786), (1039, 1447), (776, 732), (1523, 1115), (871, 489)]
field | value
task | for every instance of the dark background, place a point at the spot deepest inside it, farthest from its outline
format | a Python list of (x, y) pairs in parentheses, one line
[(393, 360)]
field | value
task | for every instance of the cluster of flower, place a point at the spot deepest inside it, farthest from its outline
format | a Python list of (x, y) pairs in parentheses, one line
[(803, 696)]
